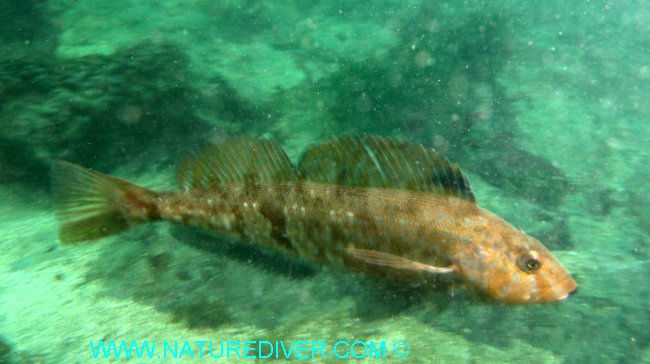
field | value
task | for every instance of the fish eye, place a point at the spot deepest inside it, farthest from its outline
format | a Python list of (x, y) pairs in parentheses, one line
[(529, 262)]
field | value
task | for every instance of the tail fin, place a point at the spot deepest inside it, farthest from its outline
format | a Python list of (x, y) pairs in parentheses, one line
[(91, 205)]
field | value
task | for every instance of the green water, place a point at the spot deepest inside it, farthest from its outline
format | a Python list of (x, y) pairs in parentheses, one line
[(543, 104)]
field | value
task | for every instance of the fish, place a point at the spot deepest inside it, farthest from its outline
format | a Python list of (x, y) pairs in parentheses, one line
[(363, 203)]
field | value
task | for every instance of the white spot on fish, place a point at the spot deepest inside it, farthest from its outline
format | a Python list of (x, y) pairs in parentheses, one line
[(350, 215), (226, 220), (245, 205)]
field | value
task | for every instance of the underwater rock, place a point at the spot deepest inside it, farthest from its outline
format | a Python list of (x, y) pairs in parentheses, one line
[(203, 314), (507, 165), (5, 351), (24, 23), (103, 110), (441, 88)]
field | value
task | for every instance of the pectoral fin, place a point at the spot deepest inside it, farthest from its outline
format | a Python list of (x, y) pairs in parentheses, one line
[(396, 262)]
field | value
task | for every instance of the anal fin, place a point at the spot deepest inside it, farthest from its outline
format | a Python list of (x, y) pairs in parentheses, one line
[(396, 262)]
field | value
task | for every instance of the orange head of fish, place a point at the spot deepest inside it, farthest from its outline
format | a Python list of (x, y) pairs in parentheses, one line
[(509, 266)]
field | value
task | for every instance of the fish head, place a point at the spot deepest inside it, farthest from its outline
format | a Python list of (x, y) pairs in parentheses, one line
[(509, 266)]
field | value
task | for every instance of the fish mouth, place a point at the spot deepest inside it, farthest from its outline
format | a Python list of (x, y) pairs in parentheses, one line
[(566, 296), (571, 288), (575, 290)]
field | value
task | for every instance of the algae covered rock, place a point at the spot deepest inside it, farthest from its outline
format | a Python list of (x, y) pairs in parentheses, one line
[(5, 351), (440, 87), (100, 110)]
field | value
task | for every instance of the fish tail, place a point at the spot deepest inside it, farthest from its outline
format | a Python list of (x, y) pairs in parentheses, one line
[(91, 205)]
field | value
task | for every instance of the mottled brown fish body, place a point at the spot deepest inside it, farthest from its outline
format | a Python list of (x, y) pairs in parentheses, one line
[(319, 221), (365, 204)]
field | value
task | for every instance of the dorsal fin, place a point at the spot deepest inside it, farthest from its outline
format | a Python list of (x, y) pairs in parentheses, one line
[(238, 160), (372, 161)]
